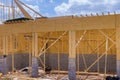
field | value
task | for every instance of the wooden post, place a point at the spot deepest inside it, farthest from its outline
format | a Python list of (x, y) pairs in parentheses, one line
[(106, 55), (5, 52), (34, 55), (72, 56), (118, 49), (30, 56), (12, 51), (36, 44), (6, 40), (33, 44), (4, 45)]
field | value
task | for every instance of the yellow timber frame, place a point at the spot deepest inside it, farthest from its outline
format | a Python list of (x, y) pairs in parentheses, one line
[(67, 34)]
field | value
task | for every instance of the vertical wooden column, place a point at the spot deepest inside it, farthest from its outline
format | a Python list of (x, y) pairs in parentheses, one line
[(36, 43), (12, 52), (30, 55), (118, 49), (33, 44), (5, 52), (4, 42), (34, 55), (72, 56)]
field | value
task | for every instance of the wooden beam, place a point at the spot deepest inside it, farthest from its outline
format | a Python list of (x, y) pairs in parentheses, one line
[(62, 24), (35, 44), (25, 13), (72, 48), (30, 9)]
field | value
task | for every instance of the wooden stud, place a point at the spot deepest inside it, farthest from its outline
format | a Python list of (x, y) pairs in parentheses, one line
[(11, 46), (4, 49), (107, 36), (98, 54), (30, 56), (58, 57), (80, 38), (100, 45), (106, 48), (98, 59), (53, 42)]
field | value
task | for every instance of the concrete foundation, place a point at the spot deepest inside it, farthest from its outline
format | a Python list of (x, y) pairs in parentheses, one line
[(72, 69), (34, 67), (4, 65), (52, 61), (118, 68), (22, 60)]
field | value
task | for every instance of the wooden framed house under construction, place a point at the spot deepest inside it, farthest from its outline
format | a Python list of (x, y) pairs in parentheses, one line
[(72, 45)]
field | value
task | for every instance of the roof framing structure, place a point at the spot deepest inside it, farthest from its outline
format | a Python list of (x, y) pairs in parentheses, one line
[(65, 23)]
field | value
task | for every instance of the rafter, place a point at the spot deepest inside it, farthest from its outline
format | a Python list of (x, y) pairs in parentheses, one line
[(22, 9)]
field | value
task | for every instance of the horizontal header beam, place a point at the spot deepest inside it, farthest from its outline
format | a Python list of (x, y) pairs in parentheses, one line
[(62, 24)]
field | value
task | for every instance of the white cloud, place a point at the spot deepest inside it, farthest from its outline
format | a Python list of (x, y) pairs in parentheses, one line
[(64, 7), (111, 2), (1, 3), (34, 0), (34, 7), (79, 2), (86, 6), (0, 22)]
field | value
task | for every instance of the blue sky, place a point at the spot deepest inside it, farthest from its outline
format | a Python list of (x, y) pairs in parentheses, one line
[(45, 7), (53, 8)]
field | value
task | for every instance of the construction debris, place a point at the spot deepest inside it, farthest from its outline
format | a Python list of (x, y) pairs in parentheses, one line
[(24, 75)]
